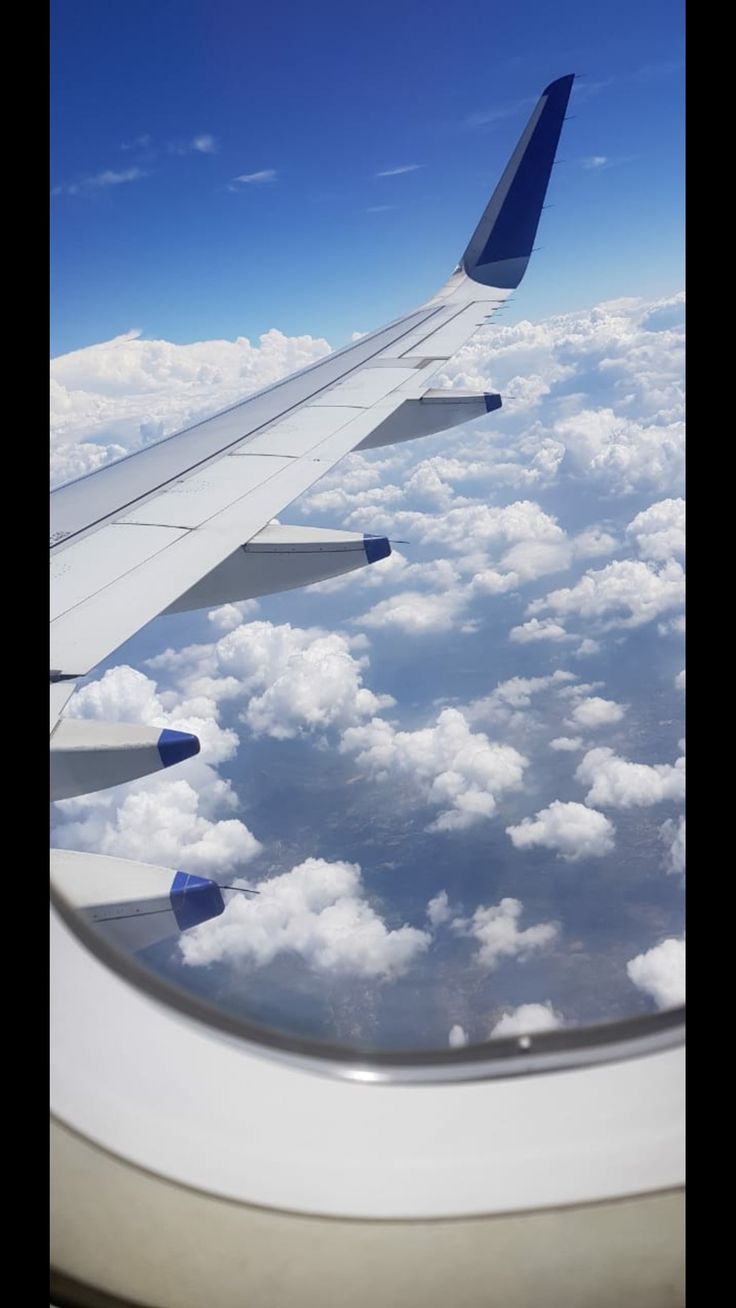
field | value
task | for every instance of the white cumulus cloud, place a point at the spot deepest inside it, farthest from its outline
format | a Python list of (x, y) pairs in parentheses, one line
[(617, 783), (318, 912), (673, 835), (659, 531), (627, 592), (438, 909), (162, 823), (111, 398), (596, 712), (527, 1018), (573, 830), (534, 629), (458, 1037), (296, 680), (455, 768), (495, 928), (660, 973), (566, 743)]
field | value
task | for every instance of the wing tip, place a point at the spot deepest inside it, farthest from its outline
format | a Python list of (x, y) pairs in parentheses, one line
[(560, 84), (175, 746), (501, 245), (376, 547)]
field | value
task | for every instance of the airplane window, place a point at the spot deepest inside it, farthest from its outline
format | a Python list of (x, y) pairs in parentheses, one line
[(452, 778)]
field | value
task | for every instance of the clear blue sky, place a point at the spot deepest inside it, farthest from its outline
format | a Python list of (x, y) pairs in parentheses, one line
[(328, 95)]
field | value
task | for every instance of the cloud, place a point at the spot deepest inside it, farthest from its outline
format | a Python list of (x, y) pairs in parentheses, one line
[(139, 143), (522, 522), (111, 177), (616, 783), (202, 143), (310, 679), (396, 172), (660, 973), (160, 822), (659, 531), (298, 680), (414, 613), (100, 181), (515, 696), (536, 545), (495, 928), (380, 208), (264, 175), (596, 712), (674, 627), (673, 835), (487, 117), (457, 1037), (573, 830), (229, 616), (453, 767), (318, 912), (587, 648), (438, 909), (546, 629), (566, 743), (627, 592), (626, 453), (595, 161), (112, 398), (528, 1018)]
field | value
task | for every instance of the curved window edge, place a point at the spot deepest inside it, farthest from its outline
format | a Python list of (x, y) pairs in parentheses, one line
[(523, 1055)]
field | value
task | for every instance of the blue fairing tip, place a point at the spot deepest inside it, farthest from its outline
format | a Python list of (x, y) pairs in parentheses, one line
[(194, 900), (175, 746), (492, 401), (376, 547)]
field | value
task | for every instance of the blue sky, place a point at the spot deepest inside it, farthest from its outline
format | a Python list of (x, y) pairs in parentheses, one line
[(146, 233)]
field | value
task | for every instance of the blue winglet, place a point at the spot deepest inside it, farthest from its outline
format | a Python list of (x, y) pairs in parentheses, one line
[(194, 900), (492, 401), (501, 244), (376, 547), (175, 746)]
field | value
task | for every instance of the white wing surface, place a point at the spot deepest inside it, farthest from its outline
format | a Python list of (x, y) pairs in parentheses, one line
[(130, 538)]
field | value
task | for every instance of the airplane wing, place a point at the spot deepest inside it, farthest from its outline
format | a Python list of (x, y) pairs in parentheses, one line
[(185, 522)]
